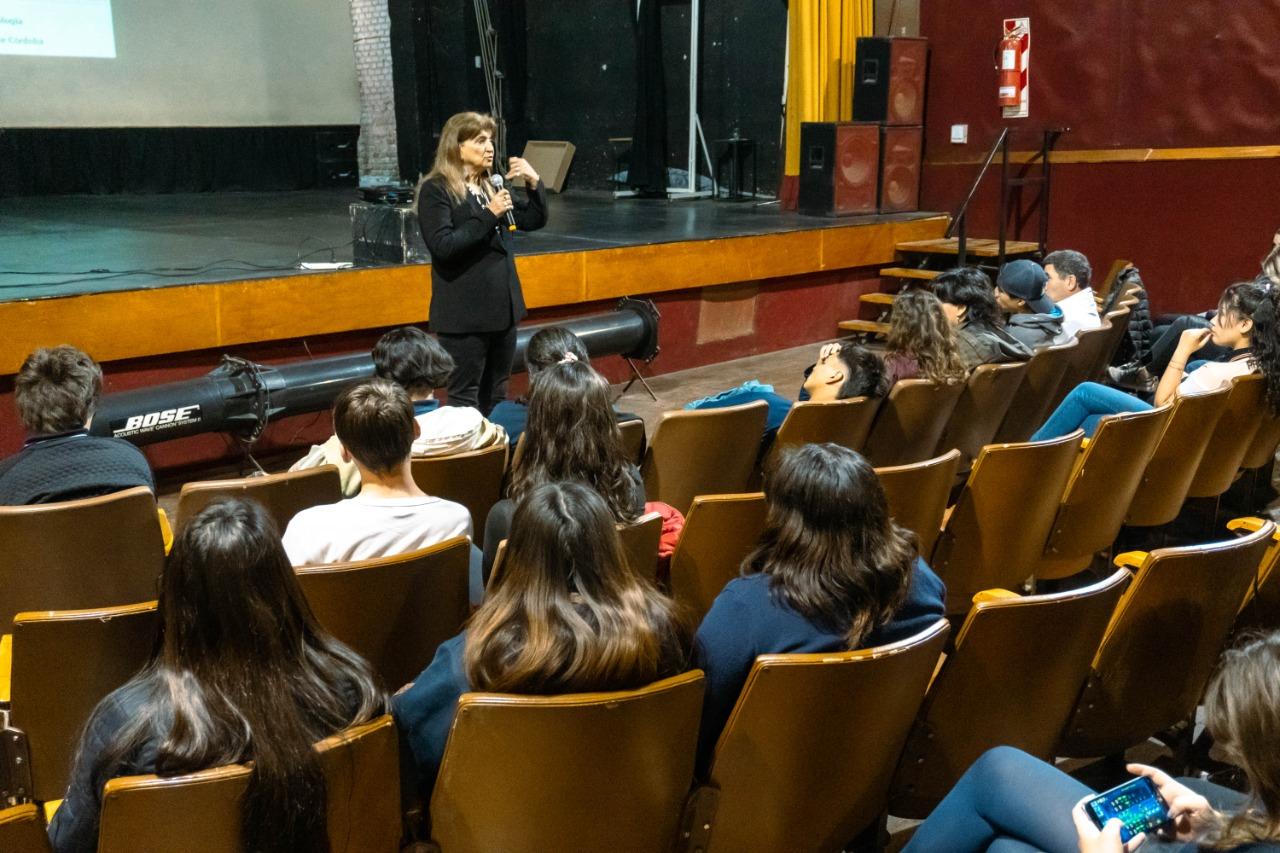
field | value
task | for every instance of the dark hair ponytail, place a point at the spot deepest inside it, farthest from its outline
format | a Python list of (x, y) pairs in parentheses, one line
[(1258, 302)]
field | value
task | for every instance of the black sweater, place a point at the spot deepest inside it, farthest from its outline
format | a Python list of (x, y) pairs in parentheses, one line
[(69, 466)]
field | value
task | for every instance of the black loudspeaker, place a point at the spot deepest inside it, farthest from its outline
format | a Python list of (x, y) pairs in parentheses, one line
[(839, 166), (889, 80), (336, 158)]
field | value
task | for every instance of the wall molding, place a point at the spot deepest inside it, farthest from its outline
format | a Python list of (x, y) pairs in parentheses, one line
[(1123, 155)]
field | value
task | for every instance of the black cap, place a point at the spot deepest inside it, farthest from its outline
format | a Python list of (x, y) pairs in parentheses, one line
[(1025, 280)]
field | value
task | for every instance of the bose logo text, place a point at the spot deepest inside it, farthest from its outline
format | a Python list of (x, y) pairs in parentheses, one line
[(162, 418)]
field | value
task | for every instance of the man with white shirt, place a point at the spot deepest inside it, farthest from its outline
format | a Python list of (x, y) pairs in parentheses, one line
[(375, 424), (1068, 286)]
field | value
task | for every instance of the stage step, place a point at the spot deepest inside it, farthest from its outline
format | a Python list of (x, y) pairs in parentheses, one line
[(864, 327), (909, 272), (980, 247), (877, 298)]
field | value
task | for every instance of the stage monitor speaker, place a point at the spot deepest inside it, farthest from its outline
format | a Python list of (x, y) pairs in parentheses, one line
[(839, 163), (550, 160), (889, 80), (900, 154)]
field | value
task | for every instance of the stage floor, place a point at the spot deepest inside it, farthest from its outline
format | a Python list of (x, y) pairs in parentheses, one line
[(69, 245)]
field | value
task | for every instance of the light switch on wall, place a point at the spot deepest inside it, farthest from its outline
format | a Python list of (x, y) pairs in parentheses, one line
[(959, 133)]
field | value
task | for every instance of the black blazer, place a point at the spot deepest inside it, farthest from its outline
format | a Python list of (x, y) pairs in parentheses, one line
[(474, 286)]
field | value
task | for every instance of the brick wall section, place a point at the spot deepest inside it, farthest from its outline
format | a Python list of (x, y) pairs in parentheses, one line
[(371, 24)]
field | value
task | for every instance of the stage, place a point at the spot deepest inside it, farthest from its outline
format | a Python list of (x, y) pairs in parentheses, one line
[(188, 272)]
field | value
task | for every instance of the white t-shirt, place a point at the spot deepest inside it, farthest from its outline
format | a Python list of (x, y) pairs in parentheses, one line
[(1213, 375), (1079, 314), (362, 528)]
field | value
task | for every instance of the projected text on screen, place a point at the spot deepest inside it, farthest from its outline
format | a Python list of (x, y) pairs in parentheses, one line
[(57, 28)]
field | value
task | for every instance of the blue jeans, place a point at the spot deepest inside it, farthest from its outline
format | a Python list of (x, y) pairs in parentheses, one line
[(1006, 801), (1086, 405)]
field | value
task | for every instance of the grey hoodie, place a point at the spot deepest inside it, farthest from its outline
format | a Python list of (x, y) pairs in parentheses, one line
[(1035, 330), (983, 345)]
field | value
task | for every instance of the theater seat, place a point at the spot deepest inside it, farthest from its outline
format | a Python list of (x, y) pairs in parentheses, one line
[(1031, 403), (64, 663), (805, 760), (473, 479), (282, 495), (640, 540), (1261, 608), (95, 552), (201, 811), (1011, 679), (843, 422), (1177, 455), (588, 771), (1163, 642), (1232, 437), (911, 421), (719, 532), (22, 830), (917, 495), (703, 452), (987, 395), (393, 611)]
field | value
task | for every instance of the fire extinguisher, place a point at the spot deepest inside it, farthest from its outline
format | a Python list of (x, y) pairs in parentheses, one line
[(1010, 53)]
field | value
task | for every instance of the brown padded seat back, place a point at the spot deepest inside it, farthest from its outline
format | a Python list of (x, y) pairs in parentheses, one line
[(393, 611), (719, 532), (1097, 496), (1012, 679), (1089, 350), (1117, 325), (282, 495), (996, 531), (588, 771), (96, 552), (917, 495), (704, 452), (805, 759), (1262, 448), (1163, 489), (473, 479), (842, 422), (640, 539), (1231, 438), (910, 423), (632, 440), (64, 664), (981, 408), (201, 811), (22, 830), (1030, 404), (1163, 643)]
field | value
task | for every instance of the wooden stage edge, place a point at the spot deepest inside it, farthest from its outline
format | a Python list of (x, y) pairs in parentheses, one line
[(157, 321)]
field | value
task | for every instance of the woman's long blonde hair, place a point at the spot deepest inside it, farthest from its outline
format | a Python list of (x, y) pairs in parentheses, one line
[(569, 613), (448, 166)]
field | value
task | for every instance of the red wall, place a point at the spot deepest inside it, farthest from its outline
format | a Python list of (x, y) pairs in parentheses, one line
[(788, 312), (1124, 74)]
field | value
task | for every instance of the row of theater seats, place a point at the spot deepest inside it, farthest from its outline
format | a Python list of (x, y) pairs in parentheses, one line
[(839, 738)]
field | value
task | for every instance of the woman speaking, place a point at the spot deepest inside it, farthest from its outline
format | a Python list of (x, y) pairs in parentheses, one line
[(475, 292)]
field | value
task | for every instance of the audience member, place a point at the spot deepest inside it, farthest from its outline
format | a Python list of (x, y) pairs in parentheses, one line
[(417, 363), (832, 572), (1031, 316), (969, 303), (1245, 323), (240, 673), (572, 434), (1010, 801), (390, 515), (56, 391), (546, 347), (1067, 285), (921, 343), (843, 370), (568, 614)]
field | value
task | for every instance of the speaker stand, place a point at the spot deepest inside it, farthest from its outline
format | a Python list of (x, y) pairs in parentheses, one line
[(635, 374)]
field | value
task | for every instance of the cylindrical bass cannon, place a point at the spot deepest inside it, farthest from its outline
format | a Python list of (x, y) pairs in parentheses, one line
[(242, 397)]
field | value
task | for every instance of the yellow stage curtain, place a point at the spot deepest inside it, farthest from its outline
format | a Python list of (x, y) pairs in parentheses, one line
[(821, 44)]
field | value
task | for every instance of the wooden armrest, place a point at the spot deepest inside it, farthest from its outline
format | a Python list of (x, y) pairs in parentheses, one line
[(166, 529), (993, 595), (1250, 524), (1130, 559), (6, 665), (1084, 444)]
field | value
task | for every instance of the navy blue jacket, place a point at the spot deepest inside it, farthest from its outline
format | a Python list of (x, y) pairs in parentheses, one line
[(748, 619)]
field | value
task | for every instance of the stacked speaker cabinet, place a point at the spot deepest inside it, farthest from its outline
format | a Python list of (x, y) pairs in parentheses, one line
[(839, 168), (900, 154), (889, 78)]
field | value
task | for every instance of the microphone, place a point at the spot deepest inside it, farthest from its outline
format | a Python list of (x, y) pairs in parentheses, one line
[(496, 180)]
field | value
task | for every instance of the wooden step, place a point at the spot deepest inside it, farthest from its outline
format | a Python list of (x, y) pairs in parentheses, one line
[(877, 298), (908, 272), (979, 247), (864, 327)]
